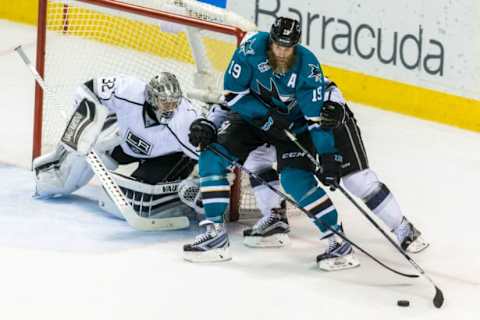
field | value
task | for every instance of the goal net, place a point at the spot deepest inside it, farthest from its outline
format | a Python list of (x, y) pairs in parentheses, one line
[(83, 39)]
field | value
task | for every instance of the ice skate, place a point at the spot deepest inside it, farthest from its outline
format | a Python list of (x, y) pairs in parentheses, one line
[(338, 256), (410, 238), (210, 246), (270, 231)]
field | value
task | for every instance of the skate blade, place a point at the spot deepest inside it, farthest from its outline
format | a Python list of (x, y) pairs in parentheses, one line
[(340, 263), (214, 255), (273, 241), (418, 245)]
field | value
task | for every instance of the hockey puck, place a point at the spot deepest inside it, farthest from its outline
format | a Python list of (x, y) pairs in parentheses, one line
[(403, 303)]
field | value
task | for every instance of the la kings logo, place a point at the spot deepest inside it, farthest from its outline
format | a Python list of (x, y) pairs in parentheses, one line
[(137, 144)]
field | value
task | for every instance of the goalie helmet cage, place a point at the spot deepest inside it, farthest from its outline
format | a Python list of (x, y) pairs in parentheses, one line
[(82, 39)]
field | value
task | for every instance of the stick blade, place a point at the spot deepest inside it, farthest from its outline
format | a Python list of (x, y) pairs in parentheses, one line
[(438, 299), (157, 224)]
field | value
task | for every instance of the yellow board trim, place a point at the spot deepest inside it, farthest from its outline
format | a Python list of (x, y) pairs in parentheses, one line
[(24, 11), (366, 89), (407, 99)]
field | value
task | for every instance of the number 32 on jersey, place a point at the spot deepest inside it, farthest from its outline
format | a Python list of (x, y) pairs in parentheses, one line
[(105, 87)]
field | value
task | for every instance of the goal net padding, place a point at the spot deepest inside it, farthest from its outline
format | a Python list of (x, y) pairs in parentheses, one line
[(83, 39)]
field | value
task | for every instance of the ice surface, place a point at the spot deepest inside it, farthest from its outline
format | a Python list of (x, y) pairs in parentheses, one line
[(66, 259)]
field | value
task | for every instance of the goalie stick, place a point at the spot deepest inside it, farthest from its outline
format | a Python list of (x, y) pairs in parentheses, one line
[(438, 299), (109, 184)]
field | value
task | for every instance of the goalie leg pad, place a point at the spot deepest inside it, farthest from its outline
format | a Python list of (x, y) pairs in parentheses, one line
[(60, 172), (63, 171), (156, 201)]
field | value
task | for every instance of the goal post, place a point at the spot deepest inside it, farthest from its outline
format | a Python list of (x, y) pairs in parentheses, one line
[(82, 39), (73, 18)]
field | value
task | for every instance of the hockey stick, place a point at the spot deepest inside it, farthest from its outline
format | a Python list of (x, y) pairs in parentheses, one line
[(294, 203), (438, 299), (109, 184)]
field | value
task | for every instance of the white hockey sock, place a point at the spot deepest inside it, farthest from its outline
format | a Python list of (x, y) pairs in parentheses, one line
[(376, 195), (389, 212), (267, 199)]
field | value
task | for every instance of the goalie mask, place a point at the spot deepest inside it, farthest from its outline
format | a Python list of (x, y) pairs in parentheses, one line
[(163, 94)]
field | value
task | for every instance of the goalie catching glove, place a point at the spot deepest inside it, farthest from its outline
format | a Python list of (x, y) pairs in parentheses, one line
[(202, 133)]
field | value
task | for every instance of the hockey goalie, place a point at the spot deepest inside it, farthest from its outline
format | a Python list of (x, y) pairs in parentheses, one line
[(126, 121)]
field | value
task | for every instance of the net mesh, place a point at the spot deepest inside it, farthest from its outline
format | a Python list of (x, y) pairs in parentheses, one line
[(85, 41)]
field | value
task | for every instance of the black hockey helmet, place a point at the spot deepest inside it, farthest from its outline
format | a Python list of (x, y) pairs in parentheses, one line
[(285, 32)]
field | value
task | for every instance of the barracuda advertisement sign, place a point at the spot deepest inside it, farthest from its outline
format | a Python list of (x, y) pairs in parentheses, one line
[(432, 44), (419, 58)]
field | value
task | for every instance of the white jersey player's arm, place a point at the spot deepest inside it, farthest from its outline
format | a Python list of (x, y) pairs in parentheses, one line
[(114, 92), (218, 114), (332, 92)]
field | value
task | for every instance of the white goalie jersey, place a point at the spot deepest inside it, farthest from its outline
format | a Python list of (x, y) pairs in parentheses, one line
[(143, 136), (130, 124)]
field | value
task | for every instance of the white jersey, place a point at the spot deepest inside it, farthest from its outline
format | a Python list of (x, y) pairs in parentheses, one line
[(218, 114), (143, 136)]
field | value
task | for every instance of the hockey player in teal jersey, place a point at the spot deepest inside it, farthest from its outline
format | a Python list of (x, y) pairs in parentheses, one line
[(272, 83)]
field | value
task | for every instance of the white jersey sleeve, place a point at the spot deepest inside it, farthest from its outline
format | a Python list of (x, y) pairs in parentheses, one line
[(116, 93), (218, 114), (119, 93), (180, 123), (332, 93), (142, 136)]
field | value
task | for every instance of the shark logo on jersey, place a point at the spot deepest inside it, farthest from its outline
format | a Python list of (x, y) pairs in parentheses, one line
[(246, 47), (137, 144), (272, 97), (264, 66), (315, 72)]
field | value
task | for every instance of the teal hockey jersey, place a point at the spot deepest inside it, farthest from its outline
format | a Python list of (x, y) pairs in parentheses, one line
[(253, 88)]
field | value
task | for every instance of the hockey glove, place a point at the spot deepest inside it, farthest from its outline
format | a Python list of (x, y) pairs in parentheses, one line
[(332, 115), (273, 124), (330, 172), (202, 133)]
